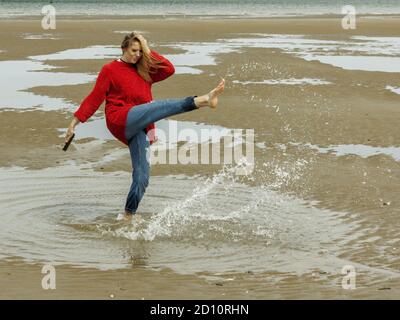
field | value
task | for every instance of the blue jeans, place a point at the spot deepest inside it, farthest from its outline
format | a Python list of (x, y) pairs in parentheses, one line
[(139, 117)]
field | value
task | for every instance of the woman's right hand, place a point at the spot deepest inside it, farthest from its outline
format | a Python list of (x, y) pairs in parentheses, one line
[(70, 132), (71, 129)]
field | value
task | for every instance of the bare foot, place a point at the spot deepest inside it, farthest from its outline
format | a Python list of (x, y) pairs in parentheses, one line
[(124, 216), (210, 99), (213, 94)]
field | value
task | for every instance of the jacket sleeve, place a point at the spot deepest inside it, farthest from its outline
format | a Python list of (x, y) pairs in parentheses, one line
[(94, 100), (162, 73)]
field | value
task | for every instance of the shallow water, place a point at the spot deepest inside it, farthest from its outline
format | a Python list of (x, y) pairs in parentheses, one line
[(363, 63), (20, 75), (67, 215), (393, 89), (361, 53), (291, 81), (360, 150), (169, 132), (91, 52), (40, 36), (183, 62)]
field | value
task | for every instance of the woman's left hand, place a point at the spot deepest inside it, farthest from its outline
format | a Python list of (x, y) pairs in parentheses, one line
[(145, 46)]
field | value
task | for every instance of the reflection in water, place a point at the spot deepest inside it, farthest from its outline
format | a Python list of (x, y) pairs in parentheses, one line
[(182, 62), (364, 63), (291, 81), (40, 36), (17, 76), (393, 89), (361, 150), (94, 128), (169, 132), (50, 215), (91, 52), (129, 31), (364, 53)]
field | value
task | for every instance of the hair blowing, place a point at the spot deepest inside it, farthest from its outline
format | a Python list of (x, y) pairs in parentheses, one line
[(147, 64)]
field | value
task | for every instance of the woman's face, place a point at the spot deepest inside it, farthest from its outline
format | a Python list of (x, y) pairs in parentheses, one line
[(133, 53)]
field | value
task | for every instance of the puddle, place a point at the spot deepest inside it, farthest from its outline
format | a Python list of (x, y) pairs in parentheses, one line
[(19, 75), (40, 36), (362, 63), (363, 53), (261, 145), (377, 45), (197, 54), (393, 89), (90, 53), (361, 150), (182, 62), (291, 81), (169, 132), (94, 128), (187, 70), (130, 31), (182, 224), (300, 44)]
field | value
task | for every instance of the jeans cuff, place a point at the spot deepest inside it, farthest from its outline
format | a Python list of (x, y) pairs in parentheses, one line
[(129, 211), (191, 104)]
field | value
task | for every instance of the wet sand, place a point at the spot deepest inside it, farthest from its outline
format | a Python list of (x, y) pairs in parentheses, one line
[(355, 109), (21, 280)]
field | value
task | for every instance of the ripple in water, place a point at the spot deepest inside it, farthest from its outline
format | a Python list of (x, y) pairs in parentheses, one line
[(189, 224)]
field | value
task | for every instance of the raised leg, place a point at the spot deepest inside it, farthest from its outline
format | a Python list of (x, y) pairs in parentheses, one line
[(139, 117)]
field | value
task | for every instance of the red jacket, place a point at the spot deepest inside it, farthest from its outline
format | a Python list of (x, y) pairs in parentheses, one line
[(123, 88)]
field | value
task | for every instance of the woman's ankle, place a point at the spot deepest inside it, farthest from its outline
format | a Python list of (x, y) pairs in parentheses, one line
[(202, 101), (124, 216)]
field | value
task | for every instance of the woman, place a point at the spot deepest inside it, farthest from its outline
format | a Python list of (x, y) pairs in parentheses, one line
[(125, 84)]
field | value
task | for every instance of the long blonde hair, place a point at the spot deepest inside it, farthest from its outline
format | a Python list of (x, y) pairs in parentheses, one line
[(147, 64)]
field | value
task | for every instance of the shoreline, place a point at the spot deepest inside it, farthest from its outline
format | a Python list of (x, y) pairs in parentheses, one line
[(198, 17)]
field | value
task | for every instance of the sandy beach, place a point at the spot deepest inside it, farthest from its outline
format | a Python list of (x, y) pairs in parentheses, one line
[(327, 157)]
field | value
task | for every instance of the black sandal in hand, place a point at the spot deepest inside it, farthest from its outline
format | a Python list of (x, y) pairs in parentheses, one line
[(66, 145)]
